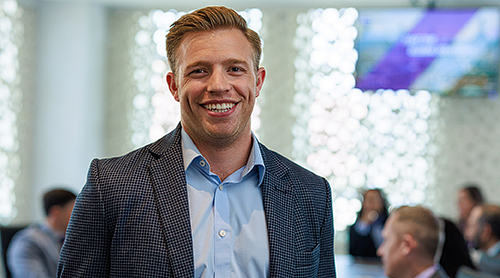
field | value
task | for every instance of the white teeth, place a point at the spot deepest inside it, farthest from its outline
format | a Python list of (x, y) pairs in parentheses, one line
[(219, 107)]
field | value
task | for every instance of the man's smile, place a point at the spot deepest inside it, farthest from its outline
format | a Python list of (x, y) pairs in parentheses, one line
[(219, 107)]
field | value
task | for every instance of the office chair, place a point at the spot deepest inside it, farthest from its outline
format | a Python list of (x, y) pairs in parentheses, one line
[(6, 233)]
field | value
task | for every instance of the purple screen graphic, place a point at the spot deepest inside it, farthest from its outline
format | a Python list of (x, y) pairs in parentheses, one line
[(451, 52)]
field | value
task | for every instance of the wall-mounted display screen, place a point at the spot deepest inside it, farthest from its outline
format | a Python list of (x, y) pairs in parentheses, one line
[(451, 52)]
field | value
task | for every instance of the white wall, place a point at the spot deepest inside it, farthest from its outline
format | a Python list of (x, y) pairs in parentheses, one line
[(69, 93)]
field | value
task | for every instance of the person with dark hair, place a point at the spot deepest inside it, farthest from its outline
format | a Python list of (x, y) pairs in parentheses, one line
[(365, 236), (411, 239), (34, 251), (207, 199), (483, 234), (468, 197)]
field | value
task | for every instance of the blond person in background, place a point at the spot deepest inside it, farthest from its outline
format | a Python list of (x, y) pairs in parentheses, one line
[(411, 237)]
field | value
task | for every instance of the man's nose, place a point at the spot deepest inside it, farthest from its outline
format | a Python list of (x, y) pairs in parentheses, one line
[(218, 81)]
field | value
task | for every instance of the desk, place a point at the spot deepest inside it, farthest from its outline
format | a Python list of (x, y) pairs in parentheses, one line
[(347, 267)]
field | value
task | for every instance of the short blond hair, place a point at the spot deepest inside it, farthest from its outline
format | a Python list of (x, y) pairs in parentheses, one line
[(421, 224), (208, 19)]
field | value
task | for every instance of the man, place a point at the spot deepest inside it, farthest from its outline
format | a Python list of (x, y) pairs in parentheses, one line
[(468, 196), (483, 233), (207, 200), (411, 237), (34, 251)]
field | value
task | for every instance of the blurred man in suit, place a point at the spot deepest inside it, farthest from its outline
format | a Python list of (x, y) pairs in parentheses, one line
[(34, 251), (206, 200), (483, 233), (411, 237)]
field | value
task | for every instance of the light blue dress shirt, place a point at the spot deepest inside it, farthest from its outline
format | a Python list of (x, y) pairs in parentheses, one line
[(227, 217)]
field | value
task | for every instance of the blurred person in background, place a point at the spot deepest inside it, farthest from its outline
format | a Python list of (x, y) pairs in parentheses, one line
[(468, 197), (34, 251), (365, 236), (483, 234), (411, 238)]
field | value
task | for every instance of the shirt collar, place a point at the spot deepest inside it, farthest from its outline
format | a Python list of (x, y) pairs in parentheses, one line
[(494, 250), (190, 152), (428, 272)]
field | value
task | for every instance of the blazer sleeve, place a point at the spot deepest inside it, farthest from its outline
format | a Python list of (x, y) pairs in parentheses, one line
[(327, 261), (86, 248)]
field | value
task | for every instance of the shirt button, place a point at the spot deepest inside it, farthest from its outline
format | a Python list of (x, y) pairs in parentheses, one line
[(202, 163), (222, 233), (221, 187)]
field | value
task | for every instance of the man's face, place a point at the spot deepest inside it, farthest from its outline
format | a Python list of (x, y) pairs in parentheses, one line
[(216, 85), (391, 250), (472, 231), (464, 203)]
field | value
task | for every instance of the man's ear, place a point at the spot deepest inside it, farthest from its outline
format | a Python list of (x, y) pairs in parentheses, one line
[(408, 243), (261, 75), (172, 86), (486, 232)]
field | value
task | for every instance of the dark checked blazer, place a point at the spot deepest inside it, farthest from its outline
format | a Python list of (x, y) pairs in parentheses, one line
[(132, 218)]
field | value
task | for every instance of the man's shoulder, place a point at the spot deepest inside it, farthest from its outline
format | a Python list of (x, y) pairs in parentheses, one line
[(275, 161), (31, 234), (147, 152)]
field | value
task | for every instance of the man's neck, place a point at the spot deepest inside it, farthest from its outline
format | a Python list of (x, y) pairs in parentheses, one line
[(426, 272), (416, 266), (225, 160), (52, 224)]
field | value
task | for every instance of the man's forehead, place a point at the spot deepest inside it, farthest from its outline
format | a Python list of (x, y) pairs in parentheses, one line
[(230, 43)]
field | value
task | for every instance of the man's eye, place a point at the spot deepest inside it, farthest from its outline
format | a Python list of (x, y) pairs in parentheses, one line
[(197, 71), (236, 69)]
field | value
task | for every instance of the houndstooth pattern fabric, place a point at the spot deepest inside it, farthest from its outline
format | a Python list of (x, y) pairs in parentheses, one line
[(132, 218)]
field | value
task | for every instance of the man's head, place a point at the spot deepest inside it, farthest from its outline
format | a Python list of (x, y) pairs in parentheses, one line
[(483, 226), (58, 204), (216, 76), (411, 236), (209, 19), (468, 197)]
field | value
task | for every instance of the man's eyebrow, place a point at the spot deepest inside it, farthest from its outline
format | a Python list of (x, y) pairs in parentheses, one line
[(197, 63), (237, 62)]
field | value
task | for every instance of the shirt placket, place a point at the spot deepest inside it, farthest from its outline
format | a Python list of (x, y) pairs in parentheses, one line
[(222, 233)]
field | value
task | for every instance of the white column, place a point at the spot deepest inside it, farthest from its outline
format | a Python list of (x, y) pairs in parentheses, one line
[(69, 95)]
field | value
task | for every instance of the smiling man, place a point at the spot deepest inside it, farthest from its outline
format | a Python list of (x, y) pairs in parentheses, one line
[(208, 199)]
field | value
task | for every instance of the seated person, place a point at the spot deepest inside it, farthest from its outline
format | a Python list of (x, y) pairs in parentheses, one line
[(411, 238), (483, 234), (468, 197), (365, 235), (34, 251)]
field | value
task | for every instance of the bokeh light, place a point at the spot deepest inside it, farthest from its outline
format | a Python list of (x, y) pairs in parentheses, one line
[(357, 140)]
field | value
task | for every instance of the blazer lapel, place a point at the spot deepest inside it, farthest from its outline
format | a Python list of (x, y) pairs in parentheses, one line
[(169, 186), (278, 206)]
